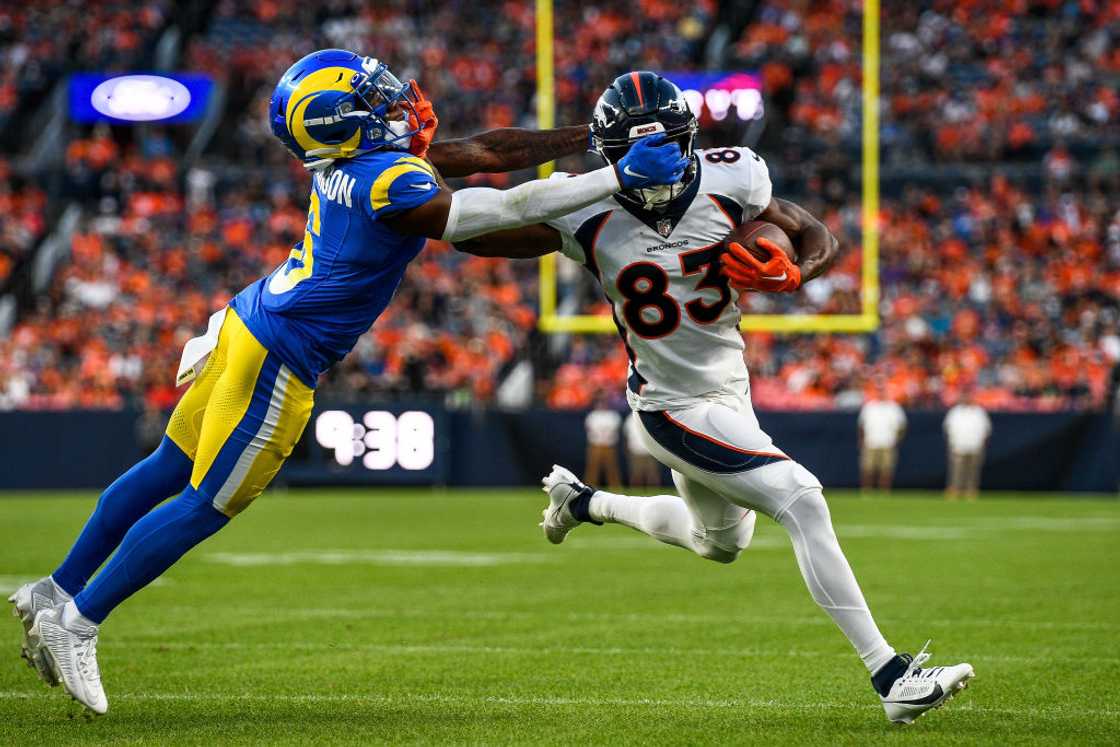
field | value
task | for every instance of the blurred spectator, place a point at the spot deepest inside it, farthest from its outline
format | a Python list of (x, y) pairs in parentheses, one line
[(967, 429), (602, 425), (882, 424), (22, 220), (642, 468)]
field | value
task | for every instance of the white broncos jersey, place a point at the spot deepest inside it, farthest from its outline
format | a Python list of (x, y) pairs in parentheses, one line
[(678, 317)]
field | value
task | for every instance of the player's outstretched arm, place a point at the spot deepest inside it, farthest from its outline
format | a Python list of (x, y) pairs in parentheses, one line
[(517, 243), (457, 216), (816, 246), (506, 149)]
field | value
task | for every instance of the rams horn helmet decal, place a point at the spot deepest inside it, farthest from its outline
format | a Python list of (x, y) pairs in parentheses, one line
[(336, 104)]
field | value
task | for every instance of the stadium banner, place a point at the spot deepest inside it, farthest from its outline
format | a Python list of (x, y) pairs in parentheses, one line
[(423, 443), (171, 98), (719, 94)]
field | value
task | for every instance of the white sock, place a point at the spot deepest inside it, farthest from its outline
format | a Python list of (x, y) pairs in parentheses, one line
[(830, 578), (663, 517), (59, 592), (72, 618)]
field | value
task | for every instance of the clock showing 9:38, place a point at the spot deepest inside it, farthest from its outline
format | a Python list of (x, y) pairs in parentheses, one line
[(378, 440)]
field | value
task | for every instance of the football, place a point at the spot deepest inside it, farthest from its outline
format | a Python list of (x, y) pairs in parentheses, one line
[(749, 233)]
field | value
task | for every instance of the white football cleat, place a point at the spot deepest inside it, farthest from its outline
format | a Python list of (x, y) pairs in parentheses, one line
[(919, 690), (562, 487), (70, 650), (28, 601)]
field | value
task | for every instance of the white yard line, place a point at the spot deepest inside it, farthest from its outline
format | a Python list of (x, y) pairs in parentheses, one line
[(635, 541), (485, 650), (409, 699), (275, 616), (449, 558)]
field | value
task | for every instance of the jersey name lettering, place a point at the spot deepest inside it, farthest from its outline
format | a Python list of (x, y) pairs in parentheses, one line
[(664, 247), (338, 187)]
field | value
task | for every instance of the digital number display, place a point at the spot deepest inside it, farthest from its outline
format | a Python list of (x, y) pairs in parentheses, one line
[(378, 440)]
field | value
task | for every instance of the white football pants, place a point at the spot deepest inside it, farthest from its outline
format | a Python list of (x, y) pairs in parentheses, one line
[(725, 468)]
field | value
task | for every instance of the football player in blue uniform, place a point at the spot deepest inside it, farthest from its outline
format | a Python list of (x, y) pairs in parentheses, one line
[(377, 196)]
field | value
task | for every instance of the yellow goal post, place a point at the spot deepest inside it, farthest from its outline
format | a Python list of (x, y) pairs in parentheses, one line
[(868, 318)]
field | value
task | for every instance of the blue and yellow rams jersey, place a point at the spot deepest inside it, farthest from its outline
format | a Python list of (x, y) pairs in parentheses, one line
[(311, 310)]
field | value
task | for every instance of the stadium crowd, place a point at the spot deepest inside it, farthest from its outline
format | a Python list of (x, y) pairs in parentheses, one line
[(983, 79), (41, 41), (1003, 286), (22, 220)]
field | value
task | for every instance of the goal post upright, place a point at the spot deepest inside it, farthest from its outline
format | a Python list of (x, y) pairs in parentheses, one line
[(869, 281), (546, 119)]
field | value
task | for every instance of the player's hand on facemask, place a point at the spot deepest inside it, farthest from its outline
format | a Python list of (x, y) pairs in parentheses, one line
[(424, 119), (651, 162), (778, 274)]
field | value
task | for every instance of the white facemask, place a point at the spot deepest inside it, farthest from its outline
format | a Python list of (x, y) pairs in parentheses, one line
[(658, 197), (399, 128)]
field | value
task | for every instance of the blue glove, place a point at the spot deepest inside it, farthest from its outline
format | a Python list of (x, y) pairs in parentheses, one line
[(650, 162)]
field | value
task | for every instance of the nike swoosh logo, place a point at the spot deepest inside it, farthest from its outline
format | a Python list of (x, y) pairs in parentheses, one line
[(422, 187), (627, 170), (775, 278), (933, 697)]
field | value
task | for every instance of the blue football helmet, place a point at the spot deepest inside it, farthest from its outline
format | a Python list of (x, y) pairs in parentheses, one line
[(334, 103)]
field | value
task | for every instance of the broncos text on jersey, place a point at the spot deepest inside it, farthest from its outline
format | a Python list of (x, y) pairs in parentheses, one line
[(311, 310), (678, 317)]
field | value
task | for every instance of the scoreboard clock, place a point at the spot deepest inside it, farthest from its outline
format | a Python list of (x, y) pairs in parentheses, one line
[(370, 445)]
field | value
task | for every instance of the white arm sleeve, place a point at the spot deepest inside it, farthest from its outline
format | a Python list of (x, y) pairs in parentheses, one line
[(758, 188), (480, 210)]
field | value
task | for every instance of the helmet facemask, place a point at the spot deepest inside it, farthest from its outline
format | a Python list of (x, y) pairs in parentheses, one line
[(636, 105), (381, 92), (659, 197)]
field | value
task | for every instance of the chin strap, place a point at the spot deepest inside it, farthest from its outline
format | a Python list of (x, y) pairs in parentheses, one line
[(322, 163), (330, 155)]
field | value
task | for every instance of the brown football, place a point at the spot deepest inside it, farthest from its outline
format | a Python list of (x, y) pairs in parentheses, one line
[(748, 233)]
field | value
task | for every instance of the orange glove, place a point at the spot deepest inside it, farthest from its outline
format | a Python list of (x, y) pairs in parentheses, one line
[(424, 119), (776, 275)]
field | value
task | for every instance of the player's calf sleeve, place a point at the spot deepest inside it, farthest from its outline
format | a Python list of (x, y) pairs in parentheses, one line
[(830, 578), (150, 547), (149, 482), (664, 517)]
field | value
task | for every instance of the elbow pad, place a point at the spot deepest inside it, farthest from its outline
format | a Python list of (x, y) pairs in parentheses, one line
[(480, 210)]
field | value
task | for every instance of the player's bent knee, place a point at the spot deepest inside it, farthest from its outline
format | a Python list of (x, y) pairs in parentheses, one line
[(809, 516), (785, 483), (811, 506)]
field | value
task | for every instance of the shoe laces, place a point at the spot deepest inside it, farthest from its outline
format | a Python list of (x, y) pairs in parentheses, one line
[(914, 669), (86, 658)]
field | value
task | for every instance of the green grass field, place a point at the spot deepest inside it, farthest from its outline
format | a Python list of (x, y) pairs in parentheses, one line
[(444, 617)]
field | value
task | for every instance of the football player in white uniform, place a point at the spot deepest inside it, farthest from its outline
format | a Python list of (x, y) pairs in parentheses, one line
[(659, 256)]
